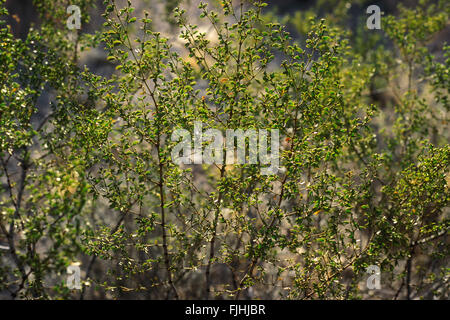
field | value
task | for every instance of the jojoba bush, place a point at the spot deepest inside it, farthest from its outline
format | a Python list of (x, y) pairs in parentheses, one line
[(90, 177)]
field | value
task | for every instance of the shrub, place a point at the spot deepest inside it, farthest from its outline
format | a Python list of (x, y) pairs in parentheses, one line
[(361, 182)]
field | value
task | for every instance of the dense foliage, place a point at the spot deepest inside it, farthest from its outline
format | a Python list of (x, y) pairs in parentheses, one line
[(365, 155)]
